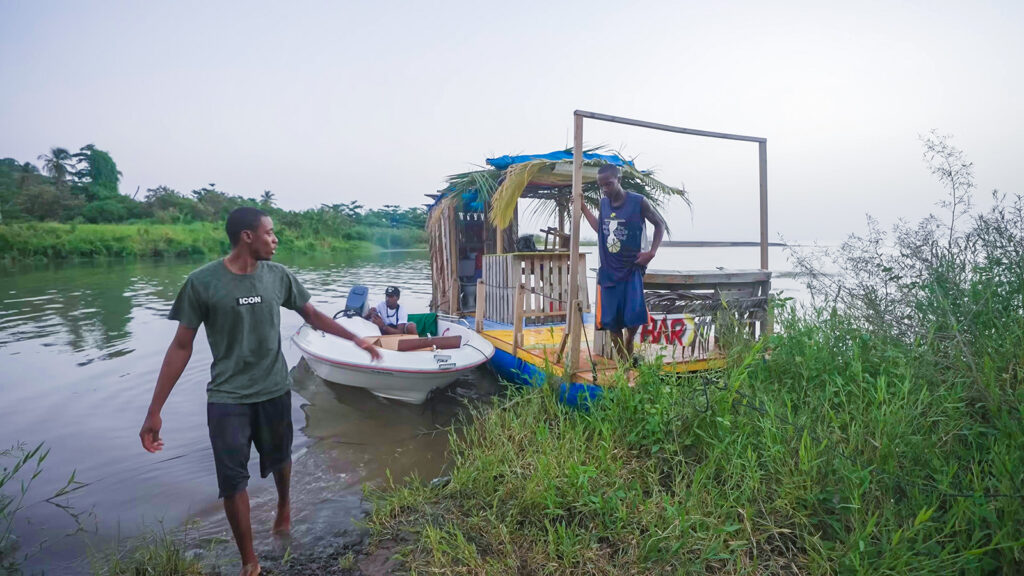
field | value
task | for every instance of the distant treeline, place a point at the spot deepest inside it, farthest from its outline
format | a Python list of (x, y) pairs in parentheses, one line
[(82, 189)]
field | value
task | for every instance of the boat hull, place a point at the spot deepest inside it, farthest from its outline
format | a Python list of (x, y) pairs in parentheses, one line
[(522, 372), (411, 388), (405, 376)]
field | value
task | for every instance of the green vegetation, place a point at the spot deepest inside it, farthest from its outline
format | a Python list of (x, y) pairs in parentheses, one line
[(50, 240), (157, 553), (27, 466), (882, 434), (80, 190)]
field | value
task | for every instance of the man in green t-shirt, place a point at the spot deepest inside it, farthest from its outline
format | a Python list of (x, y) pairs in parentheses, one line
[(239, 299)]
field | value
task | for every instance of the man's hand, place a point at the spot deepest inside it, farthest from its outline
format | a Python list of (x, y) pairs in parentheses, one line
[(365, 344), (150, 433), (644, 258), (374, 316)]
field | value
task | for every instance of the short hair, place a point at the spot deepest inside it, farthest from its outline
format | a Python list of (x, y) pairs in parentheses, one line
[(240, 219), (609, 169)]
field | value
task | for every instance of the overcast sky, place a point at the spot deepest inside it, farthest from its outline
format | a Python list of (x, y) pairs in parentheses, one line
[(378, 101)]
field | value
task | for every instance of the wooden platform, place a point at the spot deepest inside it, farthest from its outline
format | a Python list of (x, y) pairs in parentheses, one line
[(540, 347)]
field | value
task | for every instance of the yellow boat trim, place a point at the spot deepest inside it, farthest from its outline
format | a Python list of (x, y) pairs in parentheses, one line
[(548, 338)]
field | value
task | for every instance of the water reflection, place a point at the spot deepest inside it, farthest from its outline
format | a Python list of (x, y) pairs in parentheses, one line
[(81, 346), (80, 349)]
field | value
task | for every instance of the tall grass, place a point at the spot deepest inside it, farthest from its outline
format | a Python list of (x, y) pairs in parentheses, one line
[(157, 553), (53, 241), (20, 468), (880, 431)]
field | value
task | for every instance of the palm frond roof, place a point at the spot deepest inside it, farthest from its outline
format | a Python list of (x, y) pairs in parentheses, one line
[(506, 179)]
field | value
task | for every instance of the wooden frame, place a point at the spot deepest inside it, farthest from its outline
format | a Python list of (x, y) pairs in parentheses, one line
[(572, 355)]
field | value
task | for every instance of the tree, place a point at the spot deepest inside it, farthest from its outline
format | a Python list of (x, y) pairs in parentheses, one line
[(97, 173), (58, 164), (267, 199)]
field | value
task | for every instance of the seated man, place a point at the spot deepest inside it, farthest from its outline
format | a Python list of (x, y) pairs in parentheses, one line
[(389, 316)]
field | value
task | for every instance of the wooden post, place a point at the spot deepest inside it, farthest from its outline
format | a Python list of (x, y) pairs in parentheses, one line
[(559, 243), (453, 301), (762, 155), (481, 296), (517, 320), (577, 213), (572, 354)]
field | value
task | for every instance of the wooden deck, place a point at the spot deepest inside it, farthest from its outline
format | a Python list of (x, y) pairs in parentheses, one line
[(540, 347)]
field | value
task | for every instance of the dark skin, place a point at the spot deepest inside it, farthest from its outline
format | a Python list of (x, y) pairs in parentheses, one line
[(403, 328), (253, 246), (611, 187)]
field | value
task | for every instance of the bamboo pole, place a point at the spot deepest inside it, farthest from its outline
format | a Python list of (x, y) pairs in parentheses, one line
[(453, 299), (762, 158), (481, 296), (572, 354), (665, 127)]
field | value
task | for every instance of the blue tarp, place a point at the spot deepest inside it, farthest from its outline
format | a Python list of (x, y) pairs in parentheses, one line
[(503, 162)]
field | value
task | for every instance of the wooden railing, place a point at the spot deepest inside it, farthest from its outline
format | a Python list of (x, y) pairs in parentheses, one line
[(685, 307), (545, 280)]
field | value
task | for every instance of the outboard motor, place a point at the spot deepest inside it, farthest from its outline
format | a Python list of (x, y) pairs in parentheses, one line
[(357, 303)]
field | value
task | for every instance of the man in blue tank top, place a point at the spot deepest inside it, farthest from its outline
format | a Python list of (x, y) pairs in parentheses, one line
[(620, 278)]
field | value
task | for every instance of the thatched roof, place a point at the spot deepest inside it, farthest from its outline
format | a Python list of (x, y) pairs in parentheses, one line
[(543, 177)]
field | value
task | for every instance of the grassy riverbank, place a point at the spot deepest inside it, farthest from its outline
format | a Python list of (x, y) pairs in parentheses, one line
[(842, 454), (53, 241)]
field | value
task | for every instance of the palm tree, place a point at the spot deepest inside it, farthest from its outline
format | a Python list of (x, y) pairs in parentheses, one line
[(267, 199), (57, 165)]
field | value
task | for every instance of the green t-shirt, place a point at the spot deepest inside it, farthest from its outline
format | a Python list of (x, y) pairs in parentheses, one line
[(242, 315)]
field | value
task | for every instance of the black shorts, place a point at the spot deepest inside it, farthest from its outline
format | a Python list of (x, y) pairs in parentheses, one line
[(234, 428)]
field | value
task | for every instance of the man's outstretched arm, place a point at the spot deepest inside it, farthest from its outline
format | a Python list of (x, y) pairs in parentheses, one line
[(324, 323), (175, 360)]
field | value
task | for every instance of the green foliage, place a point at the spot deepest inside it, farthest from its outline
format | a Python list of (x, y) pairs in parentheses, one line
[(881, 435), (46, 241), (96, 174), (27, 466), (83, 187), (159, 553)]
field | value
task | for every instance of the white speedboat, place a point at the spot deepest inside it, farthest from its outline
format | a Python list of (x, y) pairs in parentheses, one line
[(410, 366)]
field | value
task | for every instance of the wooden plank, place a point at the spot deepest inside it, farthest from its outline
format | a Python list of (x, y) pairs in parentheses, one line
[(481, 298), (489, 280), (543, 314), (706, 276), (517, 320), (762, 160), (441, 343), (583, 295)]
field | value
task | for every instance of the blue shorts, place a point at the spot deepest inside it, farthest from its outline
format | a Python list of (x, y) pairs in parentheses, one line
[(622, 305)]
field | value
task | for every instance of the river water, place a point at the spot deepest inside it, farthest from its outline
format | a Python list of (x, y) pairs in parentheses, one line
[(80, 348)]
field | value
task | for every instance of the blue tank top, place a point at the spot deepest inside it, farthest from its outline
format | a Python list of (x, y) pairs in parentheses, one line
[(619, 237)]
